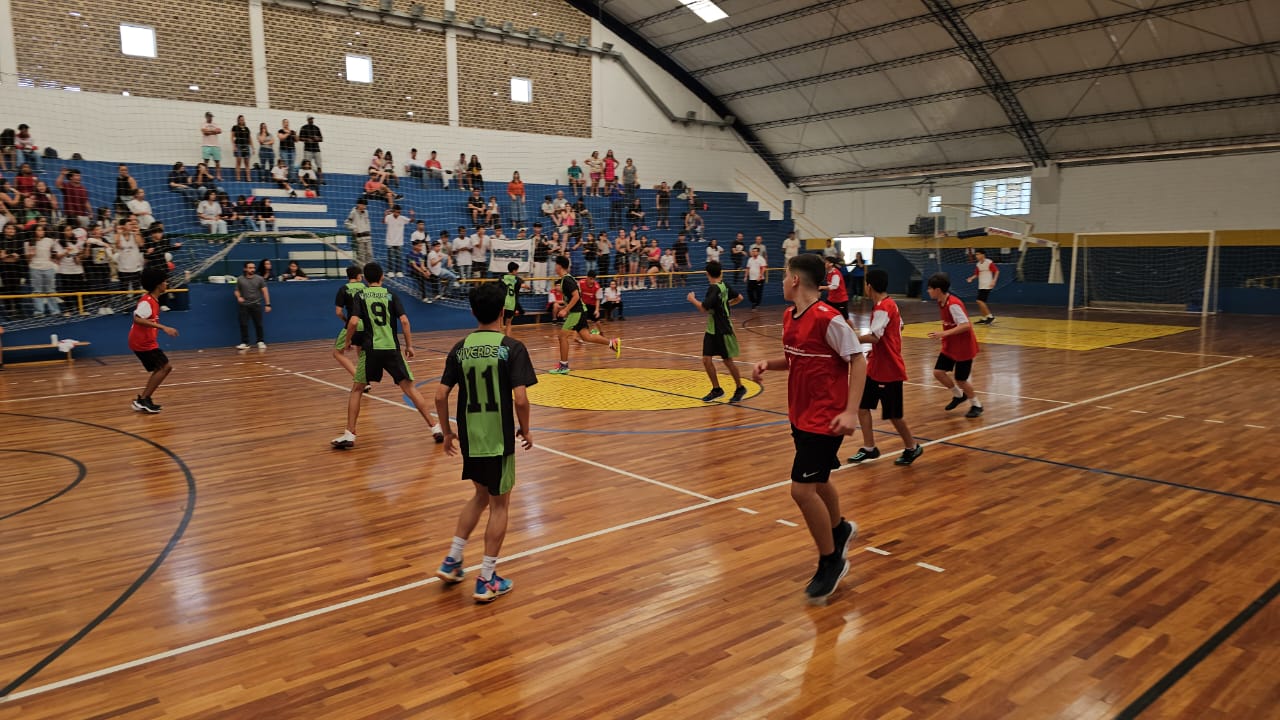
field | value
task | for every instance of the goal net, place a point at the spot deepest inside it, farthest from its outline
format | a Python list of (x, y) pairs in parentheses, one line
[(1147, 271)]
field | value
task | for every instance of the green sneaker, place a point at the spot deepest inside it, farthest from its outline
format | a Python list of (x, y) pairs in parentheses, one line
[(561, 370)]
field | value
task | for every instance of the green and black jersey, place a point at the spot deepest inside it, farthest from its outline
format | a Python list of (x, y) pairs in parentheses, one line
[(486, 366), (569, 286), (716, 303), (379, 310), (512, 283), (347, 299)]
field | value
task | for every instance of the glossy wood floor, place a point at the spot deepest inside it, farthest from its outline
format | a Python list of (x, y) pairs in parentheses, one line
[(1090, 543)]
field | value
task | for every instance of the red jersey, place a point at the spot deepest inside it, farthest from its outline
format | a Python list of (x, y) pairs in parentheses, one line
[(589, 289), (819, 344), (142, 337), (838, 293), (885, 364), (961, 346)]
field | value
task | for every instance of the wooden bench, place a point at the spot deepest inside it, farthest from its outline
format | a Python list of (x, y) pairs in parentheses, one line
[(44, 346)]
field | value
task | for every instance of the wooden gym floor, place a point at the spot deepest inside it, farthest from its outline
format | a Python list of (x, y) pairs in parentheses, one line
[(1104, 541)]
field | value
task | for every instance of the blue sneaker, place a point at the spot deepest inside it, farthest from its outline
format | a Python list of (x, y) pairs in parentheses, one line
[(489, 590), (450, 571)]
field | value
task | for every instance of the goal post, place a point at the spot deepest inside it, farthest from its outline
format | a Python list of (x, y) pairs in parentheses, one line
[(1150, 271)]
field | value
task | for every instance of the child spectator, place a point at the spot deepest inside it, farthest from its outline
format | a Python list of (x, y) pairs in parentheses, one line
[(280, 175), (309, 180), (492, 214)]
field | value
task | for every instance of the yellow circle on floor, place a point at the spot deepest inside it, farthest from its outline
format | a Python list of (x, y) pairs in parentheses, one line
[(630, 389)]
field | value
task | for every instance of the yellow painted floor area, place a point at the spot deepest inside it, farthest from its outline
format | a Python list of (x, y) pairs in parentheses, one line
[(630, 389), (1056, 334)]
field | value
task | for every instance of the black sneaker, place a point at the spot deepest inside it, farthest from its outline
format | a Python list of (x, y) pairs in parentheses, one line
[(956, 401), (974, 411), (142, 404), (151, 405), (830, 569), (367, 388), (991, 319), (865, 454), (909, 456), (713, 395), (842, 534), (738, 394)]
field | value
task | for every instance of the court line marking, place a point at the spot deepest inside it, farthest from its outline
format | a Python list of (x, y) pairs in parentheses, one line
[(1257, 427), (553, 451), (876, 550), (1166, 352), (927, 566), (749, 511), (133, 388), (788, 523)]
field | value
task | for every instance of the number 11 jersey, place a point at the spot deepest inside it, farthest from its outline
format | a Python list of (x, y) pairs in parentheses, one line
[(486, 366)]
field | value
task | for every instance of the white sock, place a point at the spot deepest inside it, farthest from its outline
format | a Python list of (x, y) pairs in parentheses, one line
[(869, 449), (564, 364), (436, 428), (455, 550), (348, 435), (487, 567), (976, 402), (955, 390)]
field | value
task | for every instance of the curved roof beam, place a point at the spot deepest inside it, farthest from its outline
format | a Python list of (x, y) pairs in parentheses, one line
[(994, 44), (1017, 85)]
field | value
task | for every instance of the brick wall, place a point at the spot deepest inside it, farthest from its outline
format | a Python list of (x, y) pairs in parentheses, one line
[(549, 16), (83, 49), (561, 89), (306, 67)]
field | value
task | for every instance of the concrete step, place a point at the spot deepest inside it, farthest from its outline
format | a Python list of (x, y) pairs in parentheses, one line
[(331, 239), (318, 255), (297, 223), (297, 207), (274, 192)]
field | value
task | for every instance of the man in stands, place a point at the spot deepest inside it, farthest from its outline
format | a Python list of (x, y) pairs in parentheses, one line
[(75, 197), (358, 223), (209, 147), (375, 189), (414, 168), (126, 186), (436, 170), (311, 139)]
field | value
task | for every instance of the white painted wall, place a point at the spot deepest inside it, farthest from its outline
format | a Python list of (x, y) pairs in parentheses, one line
[(1223, 193), (145, 130)]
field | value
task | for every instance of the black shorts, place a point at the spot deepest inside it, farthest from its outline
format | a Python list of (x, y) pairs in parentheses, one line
[(887, 394), (373, 362), (842, 306), (947, 364), (508, 314), (152, 360), (496, 474), (714, 344), (984, 294), (816, 456)]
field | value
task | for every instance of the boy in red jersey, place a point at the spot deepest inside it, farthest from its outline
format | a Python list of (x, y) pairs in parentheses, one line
[(986, 273), (142, 337), (824, 384), (837, 289), (885, 373), (959, 346)]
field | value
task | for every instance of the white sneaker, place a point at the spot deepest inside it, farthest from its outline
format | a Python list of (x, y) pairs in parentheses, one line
[(165, 308), (242, 346), (262, 346)]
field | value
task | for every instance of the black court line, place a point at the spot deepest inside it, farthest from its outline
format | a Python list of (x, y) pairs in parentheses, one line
[(1179, 671), (79, 476), (140, 580)]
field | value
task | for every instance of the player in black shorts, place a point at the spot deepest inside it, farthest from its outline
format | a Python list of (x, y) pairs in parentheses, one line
[(142, 337)]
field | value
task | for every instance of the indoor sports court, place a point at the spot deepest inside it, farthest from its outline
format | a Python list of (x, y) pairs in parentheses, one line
[(1100, 540)]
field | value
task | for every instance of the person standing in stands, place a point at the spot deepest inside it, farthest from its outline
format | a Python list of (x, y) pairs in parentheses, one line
[(209, 148), (254, 299), (288, 145), (358, 223), (311, 138), (242, 147)]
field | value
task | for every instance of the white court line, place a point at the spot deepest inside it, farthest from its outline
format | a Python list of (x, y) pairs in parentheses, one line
[(1169, 352), (788, 523), (988, 392), (1176, 417), (749, 511), (1256, 427), (876, 550), (133, 388), (1216, 422), (553, 451), (927, 566)]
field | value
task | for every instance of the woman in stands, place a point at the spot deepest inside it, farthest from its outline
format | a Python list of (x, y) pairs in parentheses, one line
[(266, 151), (264, 269), (70, 274), (475, 174), (595, 169), (375, 162), (603, 248), (265, 214), (209, 211), (43, 254), (635, 248), (622, 256), (140, 208), (229, 216), (630, 178), (242, 146), (515, 191), (294, 272), (45, 203), (129, 260), (308, 179), (655, 262), (635, 215), (610, 172), (389, 177)]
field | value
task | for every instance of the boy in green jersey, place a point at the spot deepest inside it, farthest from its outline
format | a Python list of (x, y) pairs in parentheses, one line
[(719, 338), (377, 309), (491, 372), (574, 312), (511, 283), (344, 306)]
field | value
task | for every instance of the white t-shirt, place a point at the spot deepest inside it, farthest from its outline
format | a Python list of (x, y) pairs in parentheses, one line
[(462, 250), (67, 264), (395, 229), (43, 258), (479, 248), (128, 254), (713, 253), (142, 209), (755, 267), (668, 262), (417, 236), (986, 272), (279, 173), (208, 140), (612, 294), (790, 247), (435, 261)]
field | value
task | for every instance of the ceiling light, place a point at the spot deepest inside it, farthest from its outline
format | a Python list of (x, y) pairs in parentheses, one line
[(193, 87), (705, 9)]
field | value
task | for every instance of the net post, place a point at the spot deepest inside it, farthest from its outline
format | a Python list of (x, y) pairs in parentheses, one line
[(1071, 292), (1208, 273)]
